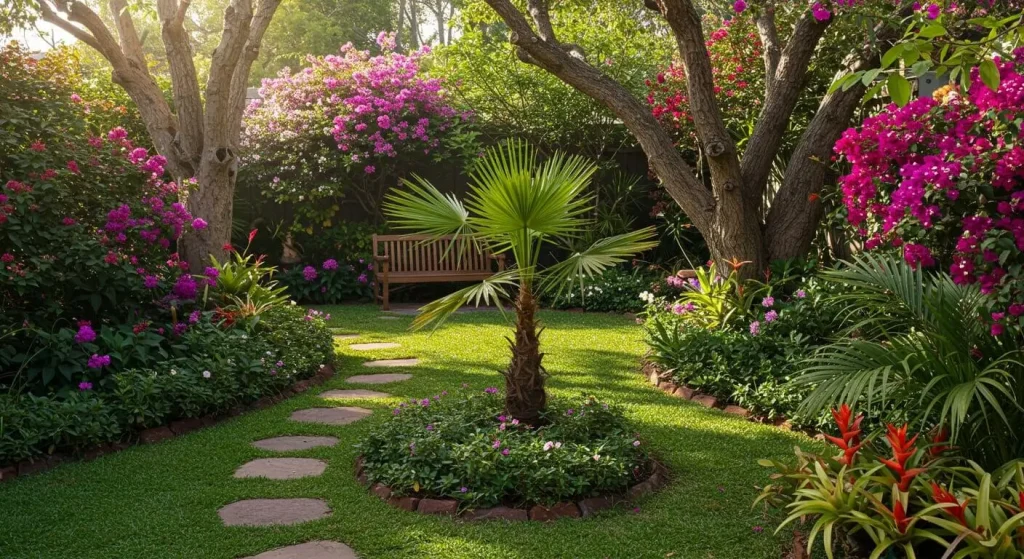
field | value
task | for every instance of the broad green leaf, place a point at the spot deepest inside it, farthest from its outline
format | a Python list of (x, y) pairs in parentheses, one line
[(899, 89), (932, 31), (989, 74)]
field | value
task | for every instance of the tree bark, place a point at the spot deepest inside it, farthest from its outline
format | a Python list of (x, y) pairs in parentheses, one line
[(524, 381)]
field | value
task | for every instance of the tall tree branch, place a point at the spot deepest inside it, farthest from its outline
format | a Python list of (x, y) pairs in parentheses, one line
[(678, 178), (772, 48), (48, 15), (782, 96), (217, 125), (185, 84), (240, 80), (131, 46)]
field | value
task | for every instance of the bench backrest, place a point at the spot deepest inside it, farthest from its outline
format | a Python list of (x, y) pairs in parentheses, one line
[(424, 253)]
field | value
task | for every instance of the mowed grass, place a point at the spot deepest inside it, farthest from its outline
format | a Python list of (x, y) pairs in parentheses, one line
[(161, 500)]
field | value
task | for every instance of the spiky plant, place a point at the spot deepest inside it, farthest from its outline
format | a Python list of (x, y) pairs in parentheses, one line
[(520, 207), (919, 346)]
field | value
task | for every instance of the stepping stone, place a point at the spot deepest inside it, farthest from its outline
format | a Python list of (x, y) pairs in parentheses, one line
[(374, 345), (281, 468), (393, 362), (309, 550), (273, 512), (331, 416), (286, 444), (378, 379), (357, 393)]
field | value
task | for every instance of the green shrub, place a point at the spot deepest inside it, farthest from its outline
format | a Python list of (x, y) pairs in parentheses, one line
[(615, 290), (461, 446), (33, 425)]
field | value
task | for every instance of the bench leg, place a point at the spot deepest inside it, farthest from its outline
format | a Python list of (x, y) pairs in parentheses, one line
[(387, 304)]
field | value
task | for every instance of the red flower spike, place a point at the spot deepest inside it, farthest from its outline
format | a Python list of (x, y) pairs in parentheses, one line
[(252, 235), (849, 429), (902, 450), (899, 515), (941, 436), (942, 496)]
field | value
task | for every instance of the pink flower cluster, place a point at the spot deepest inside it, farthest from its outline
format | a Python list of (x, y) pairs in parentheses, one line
[(942, 180)]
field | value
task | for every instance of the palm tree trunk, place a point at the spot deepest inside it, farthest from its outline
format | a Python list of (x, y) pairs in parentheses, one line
[(524, 381)]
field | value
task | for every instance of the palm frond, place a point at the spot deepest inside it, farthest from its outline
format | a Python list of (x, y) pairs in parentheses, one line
[(601, 255), (491, 291), (424, 209)]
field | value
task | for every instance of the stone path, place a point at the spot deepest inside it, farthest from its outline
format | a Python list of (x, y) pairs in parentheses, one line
[(407, 362), (281, 512), (374, 345), (378, 379), (273, 512), (290, 443), (355, 393), (281, 468), (309, 550), (330, 416)]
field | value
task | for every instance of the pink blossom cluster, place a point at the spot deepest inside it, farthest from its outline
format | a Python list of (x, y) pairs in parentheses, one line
[(374, 107), (942, 180)]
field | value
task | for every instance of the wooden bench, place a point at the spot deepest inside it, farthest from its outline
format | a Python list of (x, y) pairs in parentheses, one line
[(425, 259)]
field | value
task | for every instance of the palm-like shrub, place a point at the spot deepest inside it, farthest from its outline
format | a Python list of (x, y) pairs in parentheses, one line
[(918, 346), (520, 207)]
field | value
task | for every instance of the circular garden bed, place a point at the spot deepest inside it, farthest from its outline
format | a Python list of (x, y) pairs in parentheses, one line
[(460, 454)]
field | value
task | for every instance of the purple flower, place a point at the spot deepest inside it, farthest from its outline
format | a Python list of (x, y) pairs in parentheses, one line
[(758, 529), (738, 6), (463, 489), (430, 427), (755, 328), (309, 273), (771, 316), (99, 361), (211, 274), (330, 264), (933, 11), (569, 411), (279, 364), (800, 294), (819, 12), (85, 334), (767, 302), (84, 385), (199, 224), (362, 278), (185, 287), (425, 402), (496, 443), (491, 390), (504, 452), (194, 317)]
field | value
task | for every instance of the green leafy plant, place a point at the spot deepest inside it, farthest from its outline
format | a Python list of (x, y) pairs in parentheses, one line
[(462, 446), (919, 340), (516, 206)]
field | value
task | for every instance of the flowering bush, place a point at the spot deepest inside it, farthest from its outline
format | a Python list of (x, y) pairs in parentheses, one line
[(615, 290), (904, 495), (461, 446), (739, 341), (942, 181), (330, 282), (348, 124)]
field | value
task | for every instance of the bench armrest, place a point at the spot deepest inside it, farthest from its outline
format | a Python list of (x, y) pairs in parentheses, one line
[(382, 258)]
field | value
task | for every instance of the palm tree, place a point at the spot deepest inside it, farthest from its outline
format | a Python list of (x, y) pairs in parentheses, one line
[(516, 206)]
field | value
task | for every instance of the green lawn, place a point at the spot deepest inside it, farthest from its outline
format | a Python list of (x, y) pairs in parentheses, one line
[(162, 500)]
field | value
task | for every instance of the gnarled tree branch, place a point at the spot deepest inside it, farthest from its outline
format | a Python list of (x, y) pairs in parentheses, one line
[(185, 84), (772, 48), (240, 80)]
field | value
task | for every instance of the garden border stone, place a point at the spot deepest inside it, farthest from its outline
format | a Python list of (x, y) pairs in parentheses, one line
[(585, 508), (173, 429)]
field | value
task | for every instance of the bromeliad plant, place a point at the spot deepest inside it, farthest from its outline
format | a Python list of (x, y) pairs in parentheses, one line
[(518, 206), (907, 497)]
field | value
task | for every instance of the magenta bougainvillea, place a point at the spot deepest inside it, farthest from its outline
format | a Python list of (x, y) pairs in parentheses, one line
[(344, 124), (942, 180)]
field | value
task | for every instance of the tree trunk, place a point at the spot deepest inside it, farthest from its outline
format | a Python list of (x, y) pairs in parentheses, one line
[(524, 381), (213, 201)]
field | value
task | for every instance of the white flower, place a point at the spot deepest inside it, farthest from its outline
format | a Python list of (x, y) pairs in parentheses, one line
[(173, 372), (558, 445), (647, 297), (548, 445), (206, 374), (597, 457)]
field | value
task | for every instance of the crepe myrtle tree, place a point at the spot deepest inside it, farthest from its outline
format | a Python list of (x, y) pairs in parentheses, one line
[(517, 206), (732, 215), (199, 137)]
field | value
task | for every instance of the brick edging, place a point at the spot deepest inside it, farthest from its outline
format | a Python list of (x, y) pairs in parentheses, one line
[(656, 377), (173, 429), (584, 508)]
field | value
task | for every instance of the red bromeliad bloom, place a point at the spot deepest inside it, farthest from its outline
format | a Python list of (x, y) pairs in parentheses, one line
[(902, 450), (942, 496), (941, 436), (849, 429), (899, 515)]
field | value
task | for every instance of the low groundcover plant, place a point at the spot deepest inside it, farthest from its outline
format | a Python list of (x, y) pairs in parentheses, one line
[(463, 446)]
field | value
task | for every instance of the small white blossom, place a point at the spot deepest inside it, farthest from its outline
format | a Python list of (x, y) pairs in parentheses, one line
[(206, 374)]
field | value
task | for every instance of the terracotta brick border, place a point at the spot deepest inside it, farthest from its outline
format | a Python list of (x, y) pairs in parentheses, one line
[(156, 434), (585, 508), (657, 377)]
